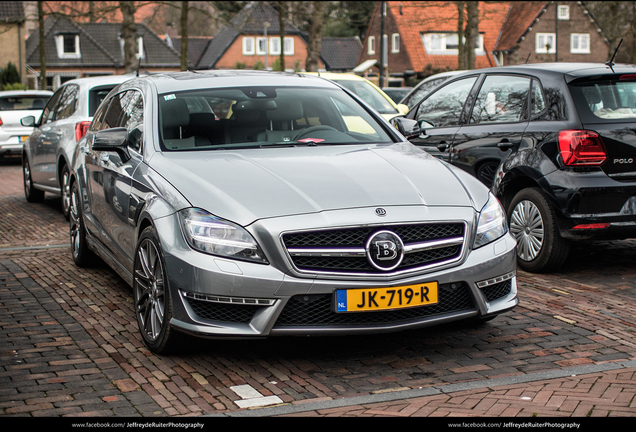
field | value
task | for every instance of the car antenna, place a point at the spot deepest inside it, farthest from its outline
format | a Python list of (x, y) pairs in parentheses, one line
[(138, 66), (528, 58), (611, 63)]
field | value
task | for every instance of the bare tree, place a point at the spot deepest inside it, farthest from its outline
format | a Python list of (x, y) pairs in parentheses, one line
[(184, 35), (128, 33), (314, 44), (281, 26), (42, 48)]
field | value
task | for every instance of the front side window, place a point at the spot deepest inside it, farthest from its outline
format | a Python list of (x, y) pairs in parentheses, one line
[(249, 117), (444, 107), (501, 99), (48, 115)]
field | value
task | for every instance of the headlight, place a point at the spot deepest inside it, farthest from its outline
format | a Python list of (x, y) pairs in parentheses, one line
[(207, 233), (492, 223)]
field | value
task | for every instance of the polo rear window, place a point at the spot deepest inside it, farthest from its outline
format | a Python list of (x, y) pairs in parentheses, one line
[(608, 100)]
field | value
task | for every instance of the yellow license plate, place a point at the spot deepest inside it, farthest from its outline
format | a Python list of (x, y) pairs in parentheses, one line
[(23, 139), (377, 299)]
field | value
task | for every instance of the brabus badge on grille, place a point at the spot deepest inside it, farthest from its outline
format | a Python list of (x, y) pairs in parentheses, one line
[(385, 250), (380, 211)]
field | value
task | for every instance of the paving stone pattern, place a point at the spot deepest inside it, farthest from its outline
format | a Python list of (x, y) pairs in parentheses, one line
[(69, 344)]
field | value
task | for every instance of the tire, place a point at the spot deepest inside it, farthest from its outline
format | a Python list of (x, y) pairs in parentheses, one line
[(82, 255), (532, 221), (31, 194), (65, 178), (151, 292)]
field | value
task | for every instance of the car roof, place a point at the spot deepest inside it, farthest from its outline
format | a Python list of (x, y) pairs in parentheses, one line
[(571, 69), (26, 93), (192, 80), (102, 79)]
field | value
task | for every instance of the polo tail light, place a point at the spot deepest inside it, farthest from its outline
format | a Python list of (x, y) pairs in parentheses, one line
[(80, 129), (581, 148)]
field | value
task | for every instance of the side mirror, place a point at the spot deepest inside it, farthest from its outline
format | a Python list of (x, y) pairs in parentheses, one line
[(28, 121), (407, 127), (403, 108), (114, 140), (426, 125)]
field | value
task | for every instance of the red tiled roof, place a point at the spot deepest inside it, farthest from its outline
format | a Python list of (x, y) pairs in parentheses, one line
[(415, 18), (521, 16)]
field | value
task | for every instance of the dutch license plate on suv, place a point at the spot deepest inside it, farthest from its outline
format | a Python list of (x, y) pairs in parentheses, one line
[(377, 299)]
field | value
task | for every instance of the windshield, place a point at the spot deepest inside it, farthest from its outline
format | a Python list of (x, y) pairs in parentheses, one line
[(18, 103), (263, 116), (369, 94)]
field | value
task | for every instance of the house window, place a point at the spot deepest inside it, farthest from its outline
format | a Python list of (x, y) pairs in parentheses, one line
[(68, 46), (289, 46), (579, 43), (448, 43), (545, 43), (395, 43), (140, 47), (274, 46), (261, 46), (248, 46), (564, 12), (371, 45)]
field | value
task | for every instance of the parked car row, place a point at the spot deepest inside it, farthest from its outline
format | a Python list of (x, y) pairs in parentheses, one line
[(250, 204)]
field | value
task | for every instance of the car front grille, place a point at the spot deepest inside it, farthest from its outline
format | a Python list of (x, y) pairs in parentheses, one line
[(220, 312), (317, 310), (342, 251), (496, 291)]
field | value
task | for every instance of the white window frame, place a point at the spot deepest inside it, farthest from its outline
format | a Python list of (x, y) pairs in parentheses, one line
[(140, 48), (576, 39), (564, 13), (437, 43), (261, 41), (249, 45), (59, 42), (540, 46), (371, 45), (274, 45), (395, 43), (289, 46)]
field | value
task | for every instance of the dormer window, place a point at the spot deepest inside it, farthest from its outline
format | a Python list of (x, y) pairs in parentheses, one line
[(67, 45), (139, 49)]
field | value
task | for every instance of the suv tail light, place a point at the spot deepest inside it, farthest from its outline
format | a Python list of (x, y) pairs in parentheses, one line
[(80, 129), (0, 121), (581, 147)]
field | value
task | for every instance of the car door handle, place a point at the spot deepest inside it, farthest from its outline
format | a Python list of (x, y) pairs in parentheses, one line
[(504, 144)]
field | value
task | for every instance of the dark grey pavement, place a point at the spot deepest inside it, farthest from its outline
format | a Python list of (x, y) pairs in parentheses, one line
[(69, 347)]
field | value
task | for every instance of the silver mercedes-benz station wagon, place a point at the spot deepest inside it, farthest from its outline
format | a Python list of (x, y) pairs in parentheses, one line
[(249, 204)]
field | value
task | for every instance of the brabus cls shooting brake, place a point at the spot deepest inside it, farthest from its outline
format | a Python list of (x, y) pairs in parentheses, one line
[(251, 204)]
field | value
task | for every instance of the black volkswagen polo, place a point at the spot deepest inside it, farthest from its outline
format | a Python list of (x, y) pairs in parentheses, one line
[(557, 143)]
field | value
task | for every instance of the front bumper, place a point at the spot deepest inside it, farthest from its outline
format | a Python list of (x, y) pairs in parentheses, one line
[(216, 297)]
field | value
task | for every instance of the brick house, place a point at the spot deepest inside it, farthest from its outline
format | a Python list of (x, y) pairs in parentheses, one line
[(243, 43), (421, 36), (531, 29), (77, 50), (12, 36)]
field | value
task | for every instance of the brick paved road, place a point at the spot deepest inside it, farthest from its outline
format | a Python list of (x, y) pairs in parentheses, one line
[(69, 344)]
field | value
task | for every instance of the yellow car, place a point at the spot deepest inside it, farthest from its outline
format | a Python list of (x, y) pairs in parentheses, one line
[(367, 91)]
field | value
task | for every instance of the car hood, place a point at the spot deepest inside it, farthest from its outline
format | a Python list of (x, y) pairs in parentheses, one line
[(247, 185)]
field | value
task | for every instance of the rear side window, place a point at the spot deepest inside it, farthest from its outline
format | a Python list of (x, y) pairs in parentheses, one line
[(606, 101)]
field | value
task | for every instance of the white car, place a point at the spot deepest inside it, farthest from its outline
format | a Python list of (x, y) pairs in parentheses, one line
[(14, 105)]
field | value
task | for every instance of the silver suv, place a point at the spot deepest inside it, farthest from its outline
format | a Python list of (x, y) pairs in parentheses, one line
[(47, 153)]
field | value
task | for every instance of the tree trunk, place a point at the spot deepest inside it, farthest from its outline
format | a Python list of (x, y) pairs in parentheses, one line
[(128, 33), (281, 26), (472, 32), (461, 48), (42, 48), (315, 38), (184, 35)]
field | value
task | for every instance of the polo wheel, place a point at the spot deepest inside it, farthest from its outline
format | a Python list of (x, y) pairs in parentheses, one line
[(31, 194), (532, 221)]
